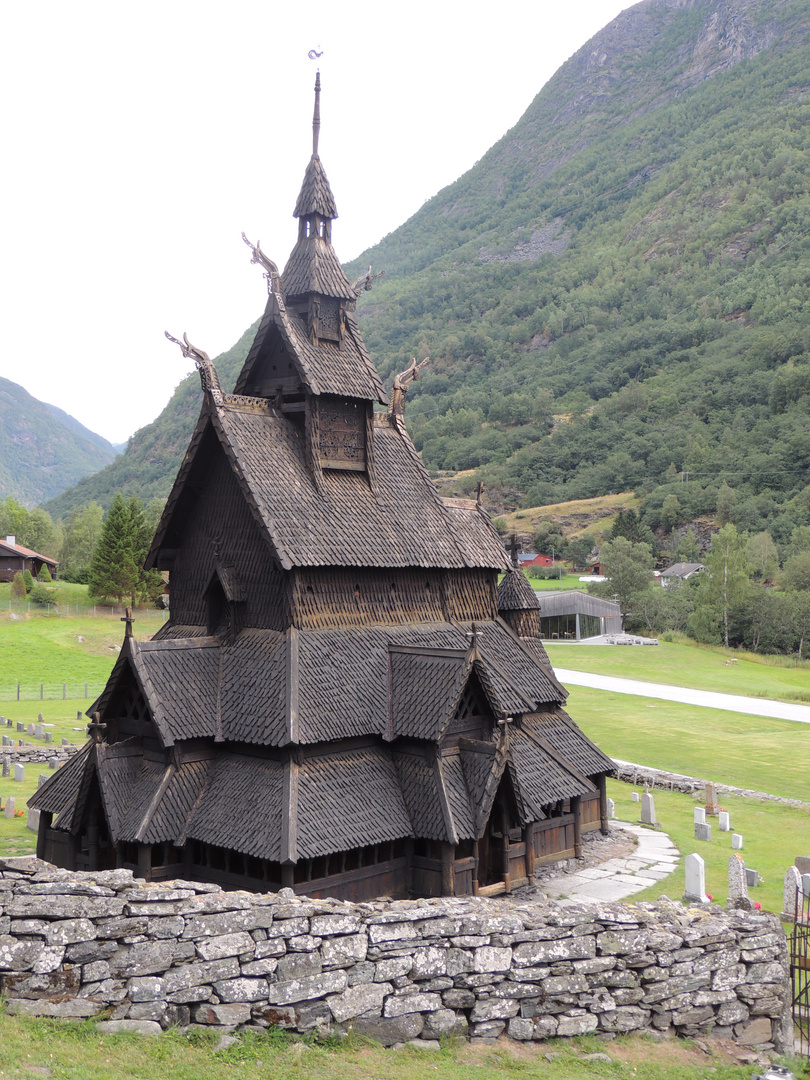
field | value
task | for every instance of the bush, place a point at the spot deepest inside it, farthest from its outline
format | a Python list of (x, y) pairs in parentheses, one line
[(44, 575), (42, 594), (29, 580), (18, 586)]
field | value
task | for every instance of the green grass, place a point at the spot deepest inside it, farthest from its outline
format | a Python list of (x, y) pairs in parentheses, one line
[(681, 664), (731, 748), (773, 835), (38, 647), (79, 1051), (567, 581)]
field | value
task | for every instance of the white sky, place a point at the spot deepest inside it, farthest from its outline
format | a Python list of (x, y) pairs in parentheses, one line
[(140, 140)]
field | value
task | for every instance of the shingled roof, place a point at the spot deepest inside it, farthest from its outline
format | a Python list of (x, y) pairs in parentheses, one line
[(402, 523), (315, 196)]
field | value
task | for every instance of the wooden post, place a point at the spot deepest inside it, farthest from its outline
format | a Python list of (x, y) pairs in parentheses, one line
[(528, 838), (287, 875), (576, 807), (476, 886), (145, 861), (603, 810), (448, 882)]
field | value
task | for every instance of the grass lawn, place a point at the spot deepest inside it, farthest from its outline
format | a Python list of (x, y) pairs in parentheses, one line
[(51, 648), (773, 835), (681, 664), (29, 1048), (731, 748), (567, 581)]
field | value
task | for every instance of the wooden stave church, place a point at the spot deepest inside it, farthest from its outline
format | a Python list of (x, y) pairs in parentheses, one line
[(344, 701)]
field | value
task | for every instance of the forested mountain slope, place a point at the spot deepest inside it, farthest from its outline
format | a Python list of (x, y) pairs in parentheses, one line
[(617, 295), (43, 450)]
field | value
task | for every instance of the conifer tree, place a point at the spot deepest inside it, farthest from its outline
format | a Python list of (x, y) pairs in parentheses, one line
[(114, 570)]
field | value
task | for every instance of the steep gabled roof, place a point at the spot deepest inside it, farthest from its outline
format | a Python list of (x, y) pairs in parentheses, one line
[(324, 367), (402, 523)]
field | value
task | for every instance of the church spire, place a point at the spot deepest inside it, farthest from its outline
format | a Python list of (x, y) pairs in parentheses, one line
[(316, 116), (313, 267)]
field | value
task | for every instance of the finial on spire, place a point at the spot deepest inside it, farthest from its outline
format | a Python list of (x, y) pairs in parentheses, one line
[(316, 116)]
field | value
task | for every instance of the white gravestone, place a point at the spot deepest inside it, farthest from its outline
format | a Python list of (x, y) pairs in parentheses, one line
[(611, 809), (19, 772), (703, 832), (700, 815), (724, 821), (634, 797), (647, 809), (736, 841), (695, 879), (32, 821)]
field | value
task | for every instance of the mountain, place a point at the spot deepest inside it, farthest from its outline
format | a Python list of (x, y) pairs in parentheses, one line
[(616, 296), (43, 450)]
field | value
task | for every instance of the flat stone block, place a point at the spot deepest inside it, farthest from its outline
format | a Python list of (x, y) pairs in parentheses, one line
[(736, 842)]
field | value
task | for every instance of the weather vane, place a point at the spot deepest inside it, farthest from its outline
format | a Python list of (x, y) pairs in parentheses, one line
[(314, 54)]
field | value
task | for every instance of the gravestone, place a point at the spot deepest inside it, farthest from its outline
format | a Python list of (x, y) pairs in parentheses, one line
[(7, 741), (9, 807), (43, 776), (6, 766), (53, 763), (703, 831), (806, 884), (736, 841), (32, 821), (700, 815), (40, 718), (710, 796), (65, 742), (634, 797), (737, 885), (647, 809), (611, 809), (48, 737), (724, 819), (695, 879), (38, 732), (79, 715), (30, 729), (752, 878), (9, 722), (802, 864), (19, 772), (20, 726), (790, 892)]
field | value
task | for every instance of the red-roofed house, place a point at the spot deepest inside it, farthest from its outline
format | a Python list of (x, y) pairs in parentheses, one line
[(14, 557)]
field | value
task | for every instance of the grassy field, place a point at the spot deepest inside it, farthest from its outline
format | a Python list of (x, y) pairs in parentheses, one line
[(30, 1048), (567, 581), (731, 748), (773, 835), (595, 516), (682, 664)]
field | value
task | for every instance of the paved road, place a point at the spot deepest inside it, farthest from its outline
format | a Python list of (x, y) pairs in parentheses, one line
[(779, 710), (653, 860)]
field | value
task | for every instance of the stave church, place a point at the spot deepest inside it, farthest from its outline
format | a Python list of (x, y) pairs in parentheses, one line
[(344, 700)]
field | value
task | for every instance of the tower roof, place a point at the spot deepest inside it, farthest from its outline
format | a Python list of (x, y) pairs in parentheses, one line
[(516, 594), (315, 196)]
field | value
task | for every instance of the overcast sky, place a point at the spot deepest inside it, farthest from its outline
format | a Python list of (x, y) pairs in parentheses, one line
[(140, 140)]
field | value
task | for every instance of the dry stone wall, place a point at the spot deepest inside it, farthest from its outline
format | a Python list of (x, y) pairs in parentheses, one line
[(149, 956)]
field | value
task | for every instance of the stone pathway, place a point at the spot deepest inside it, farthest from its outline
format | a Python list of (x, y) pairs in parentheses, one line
[(652, 860)]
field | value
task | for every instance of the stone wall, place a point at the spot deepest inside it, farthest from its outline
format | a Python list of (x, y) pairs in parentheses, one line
[(145, 956)]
